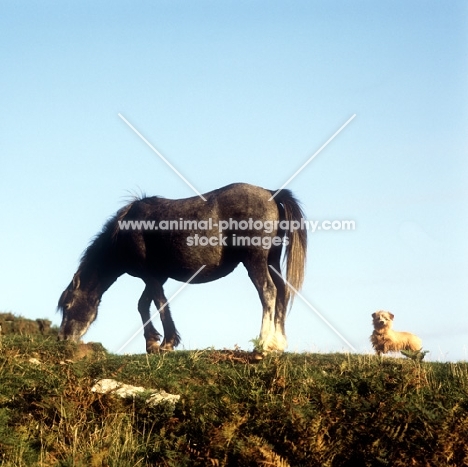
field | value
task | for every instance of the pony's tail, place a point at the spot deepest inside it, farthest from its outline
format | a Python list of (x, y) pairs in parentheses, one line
[(296, 249)]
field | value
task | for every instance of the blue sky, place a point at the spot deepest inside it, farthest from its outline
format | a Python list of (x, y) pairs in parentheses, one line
[(243, 91)]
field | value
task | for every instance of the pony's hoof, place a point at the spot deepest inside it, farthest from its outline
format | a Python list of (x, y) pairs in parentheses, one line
[(256, 356), (153, 347), (166, 347)]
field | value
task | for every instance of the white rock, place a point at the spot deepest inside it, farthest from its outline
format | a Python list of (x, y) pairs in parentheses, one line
[(160, 397), (106, 386)]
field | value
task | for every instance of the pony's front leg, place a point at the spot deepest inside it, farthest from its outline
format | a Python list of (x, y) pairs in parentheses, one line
[(152, 336), (171, 336)]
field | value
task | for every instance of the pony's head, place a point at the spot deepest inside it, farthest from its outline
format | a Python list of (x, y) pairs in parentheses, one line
[(79, 309)]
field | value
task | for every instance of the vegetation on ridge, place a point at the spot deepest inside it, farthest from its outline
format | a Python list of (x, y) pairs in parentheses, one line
[(285, 410)]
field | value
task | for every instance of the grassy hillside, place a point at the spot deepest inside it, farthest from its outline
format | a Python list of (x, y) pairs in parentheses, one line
[(286, 410)]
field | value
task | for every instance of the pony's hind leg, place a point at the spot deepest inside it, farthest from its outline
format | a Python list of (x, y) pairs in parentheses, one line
[(261, 278), (152, 336), (280, 305)]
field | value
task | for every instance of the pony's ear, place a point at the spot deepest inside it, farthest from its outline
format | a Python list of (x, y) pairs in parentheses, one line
[(374, 315), (391, 315), (76, 281)]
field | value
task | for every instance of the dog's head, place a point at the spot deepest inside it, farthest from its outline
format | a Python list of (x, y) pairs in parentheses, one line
[(382, 320)]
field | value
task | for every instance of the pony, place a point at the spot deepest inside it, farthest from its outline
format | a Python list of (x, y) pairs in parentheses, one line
[(154, 238)]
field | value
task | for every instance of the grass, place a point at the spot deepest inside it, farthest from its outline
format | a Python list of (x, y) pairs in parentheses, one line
[(285, 410)]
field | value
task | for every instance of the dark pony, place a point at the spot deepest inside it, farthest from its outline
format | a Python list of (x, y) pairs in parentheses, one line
[(156, 238)]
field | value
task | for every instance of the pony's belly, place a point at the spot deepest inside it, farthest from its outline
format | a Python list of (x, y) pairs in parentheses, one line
[(207, 273)]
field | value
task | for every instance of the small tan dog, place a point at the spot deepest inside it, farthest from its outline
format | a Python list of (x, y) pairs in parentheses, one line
[(384, 339)]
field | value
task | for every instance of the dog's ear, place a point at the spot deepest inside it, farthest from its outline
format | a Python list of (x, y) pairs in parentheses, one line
[(374, 315), (391, 315)]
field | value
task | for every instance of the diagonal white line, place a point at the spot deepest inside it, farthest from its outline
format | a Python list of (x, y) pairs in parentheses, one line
[(161, 157), (310, 158), (161, 308), (315, 310)]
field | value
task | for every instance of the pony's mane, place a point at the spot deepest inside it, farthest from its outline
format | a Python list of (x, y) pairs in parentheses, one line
[(133, 195), (152, 199), (101, 242)]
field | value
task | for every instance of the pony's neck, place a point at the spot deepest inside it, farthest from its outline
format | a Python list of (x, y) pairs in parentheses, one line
[(96, 280)]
